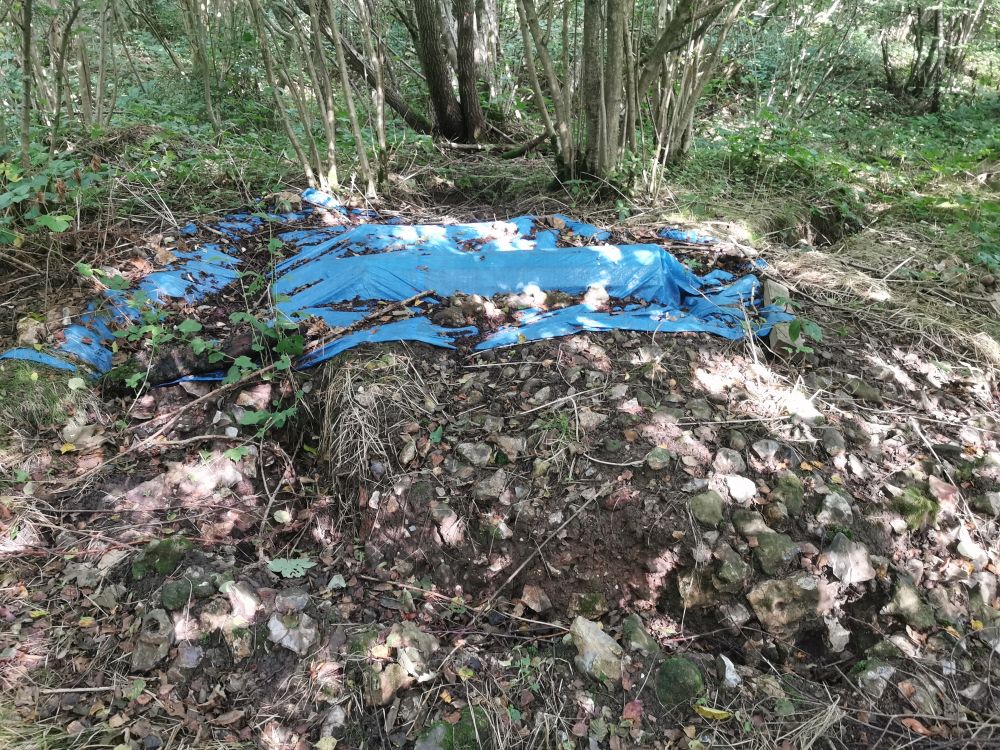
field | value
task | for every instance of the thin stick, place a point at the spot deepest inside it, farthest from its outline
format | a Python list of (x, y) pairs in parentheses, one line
[(62, 691), (612, 463)]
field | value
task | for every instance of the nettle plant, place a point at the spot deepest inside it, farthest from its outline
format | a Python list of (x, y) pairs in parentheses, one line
[(276, 341), (37, 203)]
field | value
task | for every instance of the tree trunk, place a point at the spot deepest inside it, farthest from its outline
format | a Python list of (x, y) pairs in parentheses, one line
[(565, 151), (529, 64), (359, 142), (102, 64), (468, 91), (377, 85), (86, 90), (272, 81), (613, 81), (592, 89), (488, 48), (67, 34), (430, 48), (26, 74)]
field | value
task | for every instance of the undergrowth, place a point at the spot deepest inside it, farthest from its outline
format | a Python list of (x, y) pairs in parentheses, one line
[(831, 175)]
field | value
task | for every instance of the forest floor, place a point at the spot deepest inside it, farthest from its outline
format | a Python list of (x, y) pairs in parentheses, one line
[(780, 551)]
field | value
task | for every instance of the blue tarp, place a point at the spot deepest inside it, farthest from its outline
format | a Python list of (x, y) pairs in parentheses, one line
[(341, 267)]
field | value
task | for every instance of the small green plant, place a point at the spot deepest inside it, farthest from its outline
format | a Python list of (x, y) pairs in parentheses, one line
[(30, 201), (802, 328), (558, 423), (275, 342), (914, 506)]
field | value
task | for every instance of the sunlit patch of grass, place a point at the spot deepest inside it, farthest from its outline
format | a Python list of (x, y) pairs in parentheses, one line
[(35, 396), (35, 400), (18, 734)]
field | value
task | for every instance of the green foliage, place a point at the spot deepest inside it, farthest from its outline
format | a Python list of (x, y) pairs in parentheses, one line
[(801, 329), (472, 731), (36, 203), (34, 398), (276, 343), (558, 423)]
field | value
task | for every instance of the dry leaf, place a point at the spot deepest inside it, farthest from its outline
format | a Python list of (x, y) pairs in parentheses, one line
[(632, 711), (228, 719), (715, 714), (942, 491), (915, 726), (163, 256)]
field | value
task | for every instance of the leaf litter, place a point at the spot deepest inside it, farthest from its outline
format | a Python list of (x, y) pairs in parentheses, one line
[(418, 581)]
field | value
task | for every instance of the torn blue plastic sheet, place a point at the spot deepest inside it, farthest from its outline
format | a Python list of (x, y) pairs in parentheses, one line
[(342, 263), (689, 236)]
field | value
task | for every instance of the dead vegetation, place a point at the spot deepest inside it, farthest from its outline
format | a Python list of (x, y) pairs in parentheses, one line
[(368, 402)]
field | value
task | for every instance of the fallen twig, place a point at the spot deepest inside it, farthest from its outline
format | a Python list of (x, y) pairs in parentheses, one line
[(62, 691)]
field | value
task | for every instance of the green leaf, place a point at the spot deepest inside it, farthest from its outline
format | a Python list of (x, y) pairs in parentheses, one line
[(235, 454), (189, 326), (117, 283), (795, 329), (54, 223), (254, 417), (282, 516), (812, 330), (76, 384), (135, 688), (437, 435), (291, 567), (784, 707), (291, 345), (84, 269), (7, 236), (198, 345)]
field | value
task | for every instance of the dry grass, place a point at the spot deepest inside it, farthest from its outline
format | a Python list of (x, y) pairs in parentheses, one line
[(18, 734), (906, 282), (35, 401), (21, 524), (367, 399)]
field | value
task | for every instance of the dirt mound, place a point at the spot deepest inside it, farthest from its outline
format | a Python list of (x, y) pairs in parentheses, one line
[(814, 546)]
